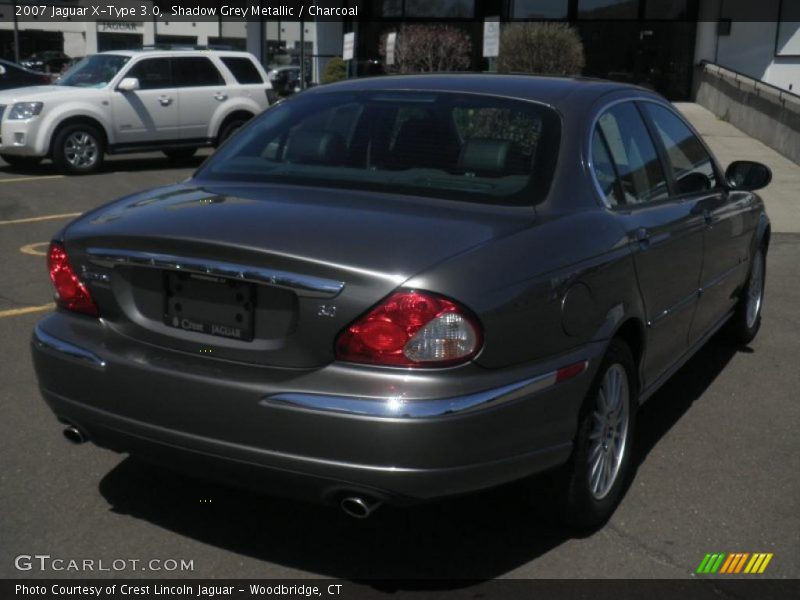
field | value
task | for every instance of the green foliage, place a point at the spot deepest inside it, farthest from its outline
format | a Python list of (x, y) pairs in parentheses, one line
[(335, 70), (540, 48)]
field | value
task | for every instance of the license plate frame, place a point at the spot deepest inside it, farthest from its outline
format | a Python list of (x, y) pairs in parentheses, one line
[(210, 305)]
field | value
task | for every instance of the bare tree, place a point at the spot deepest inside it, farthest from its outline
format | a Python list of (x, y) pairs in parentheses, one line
[(428, 48)]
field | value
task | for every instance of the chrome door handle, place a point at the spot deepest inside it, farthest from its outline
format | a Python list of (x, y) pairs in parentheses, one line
[(165, 100), (642, 237), (220, 96)]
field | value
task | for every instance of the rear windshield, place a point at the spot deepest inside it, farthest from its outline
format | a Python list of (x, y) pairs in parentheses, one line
[(448, 145)]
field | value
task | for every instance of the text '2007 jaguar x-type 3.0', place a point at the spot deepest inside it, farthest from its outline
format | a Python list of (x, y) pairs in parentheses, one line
[(405, 288)]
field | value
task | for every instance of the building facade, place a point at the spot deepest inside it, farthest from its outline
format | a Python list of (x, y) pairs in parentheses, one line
[(656, 43)]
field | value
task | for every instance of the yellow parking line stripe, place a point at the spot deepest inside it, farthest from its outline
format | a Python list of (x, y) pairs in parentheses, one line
[(17, 179), (764, 564), (33, 249), (15, 312), (43, 218)]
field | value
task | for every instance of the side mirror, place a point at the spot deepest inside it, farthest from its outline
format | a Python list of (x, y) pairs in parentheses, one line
[(129, 84), (747, 175)]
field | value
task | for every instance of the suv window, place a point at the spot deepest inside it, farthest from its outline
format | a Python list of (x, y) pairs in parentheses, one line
[(243, 69), (152, 73), (195, 71), (691, 165), (641, 175)]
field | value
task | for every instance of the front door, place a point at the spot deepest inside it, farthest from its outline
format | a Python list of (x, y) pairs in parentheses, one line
[(150, 114)]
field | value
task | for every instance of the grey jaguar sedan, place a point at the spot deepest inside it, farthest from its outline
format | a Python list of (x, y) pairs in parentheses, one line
[(405, 288)]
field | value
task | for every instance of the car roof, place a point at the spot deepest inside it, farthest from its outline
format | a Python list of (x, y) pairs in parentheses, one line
[(555, 91)]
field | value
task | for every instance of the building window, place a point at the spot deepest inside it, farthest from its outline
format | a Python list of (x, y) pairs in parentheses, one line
[(666, 9), (539, 9), (452, 9), (789, 30), (608, 9)]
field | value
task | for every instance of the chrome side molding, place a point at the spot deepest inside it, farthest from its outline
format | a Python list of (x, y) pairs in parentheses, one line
[(45, 341), (397, 407), (302, 285)]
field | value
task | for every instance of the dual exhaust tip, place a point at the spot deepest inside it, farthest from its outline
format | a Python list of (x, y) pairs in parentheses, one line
[(75, 435), (358, 507)]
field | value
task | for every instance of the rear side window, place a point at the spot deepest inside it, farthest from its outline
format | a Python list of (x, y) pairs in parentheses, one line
[(641, 176), (243, 69), (439, 144), (152, 73), (195, 71), (691, 165), (604, 169)]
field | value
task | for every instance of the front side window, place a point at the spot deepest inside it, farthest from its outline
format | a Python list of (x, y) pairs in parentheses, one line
[(641, 176), (152, 73), (691, 165), (447, 145), (95, 71), (195, 71)]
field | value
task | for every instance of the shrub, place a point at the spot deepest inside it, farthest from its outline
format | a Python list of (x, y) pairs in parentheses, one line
[(541, 48), (335, 70), (428, 48)]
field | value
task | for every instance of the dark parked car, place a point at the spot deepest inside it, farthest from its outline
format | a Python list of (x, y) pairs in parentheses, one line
[(403, 288), (49, 61), (13, 76)]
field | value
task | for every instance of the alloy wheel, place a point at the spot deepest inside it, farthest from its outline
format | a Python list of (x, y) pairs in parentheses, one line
[(609, 435), (81, 150)]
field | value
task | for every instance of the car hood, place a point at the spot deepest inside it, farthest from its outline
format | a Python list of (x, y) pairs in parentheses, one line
[(41, 93), (339, 230)]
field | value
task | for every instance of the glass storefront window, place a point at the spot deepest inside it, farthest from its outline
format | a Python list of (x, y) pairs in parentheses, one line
[(464, 9), (666, 9), (608, 9), (539, 9)]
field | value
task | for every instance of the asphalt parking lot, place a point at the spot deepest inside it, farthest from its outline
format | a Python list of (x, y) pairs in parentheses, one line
[(716, 449)]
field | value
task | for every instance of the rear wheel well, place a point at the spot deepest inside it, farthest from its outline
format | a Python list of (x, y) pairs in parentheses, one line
[(632, 333), (79, 121), (237, 115)]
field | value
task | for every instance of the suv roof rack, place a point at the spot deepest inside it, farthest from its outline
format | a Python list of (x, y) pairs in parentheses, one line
[(186, 47)]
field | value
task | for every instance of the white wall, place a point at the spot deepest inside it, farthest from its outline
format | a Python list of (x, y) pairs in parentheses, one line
[(750, 47)]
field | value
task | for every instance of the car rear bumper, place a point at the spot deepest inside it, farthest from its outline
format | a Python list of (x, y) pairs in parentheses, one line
[(311, 433)]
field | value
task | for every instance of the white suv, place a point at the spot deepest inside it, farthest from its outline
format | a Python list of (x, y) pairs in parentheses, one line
[(174, 101)]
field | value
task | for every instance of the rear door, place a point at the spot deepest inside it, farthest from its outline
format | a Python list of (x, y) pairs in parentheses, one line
[(664, 233), (150, 114), (728, 224), (201, 90)]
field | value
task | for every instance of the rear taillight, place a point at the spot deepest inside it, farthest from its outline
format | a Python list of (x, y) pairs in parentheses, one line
[(412, 329), (71, 293)]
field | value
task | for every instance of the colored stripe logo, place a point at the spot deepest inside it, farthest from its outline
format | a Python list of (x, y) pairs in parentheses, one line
[(734, 563)]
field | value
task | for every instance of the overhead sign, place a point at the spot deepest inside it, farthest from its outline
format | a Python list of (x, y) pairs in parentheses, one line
[(391, 42), (491, 37), (349, 45)]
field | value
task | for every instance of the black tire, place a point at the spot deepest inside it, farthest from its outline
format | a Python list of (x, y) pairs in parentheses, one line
[(72, 158), (228, 129), (21, 162), (179, 154), (746, 320), (585, 508)]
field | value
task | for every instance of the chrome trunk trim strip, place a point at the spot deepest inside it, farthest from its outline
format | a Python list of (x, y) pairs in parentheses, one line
[(302, 285)]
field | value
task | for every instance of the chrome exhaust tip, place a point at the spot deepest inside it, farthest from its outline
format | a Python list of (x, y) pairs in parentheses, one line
[(359, 507), (75, 435)]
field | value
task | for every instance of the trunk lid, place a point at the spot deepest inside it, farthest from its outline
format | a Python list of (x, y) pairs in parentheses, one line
[(264, 275)]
